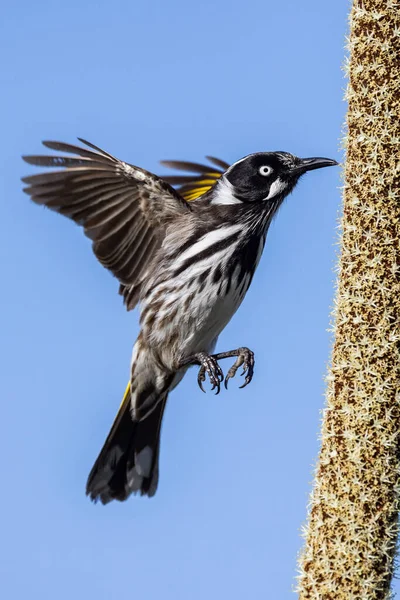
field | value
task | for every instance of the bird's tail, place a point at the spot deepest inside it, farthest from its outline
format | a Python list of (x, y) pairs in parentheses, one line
[(128, 461)]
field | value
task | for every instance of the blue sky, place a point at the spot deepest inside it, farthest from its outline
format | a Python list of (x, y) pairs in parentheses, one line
[(148, 81)]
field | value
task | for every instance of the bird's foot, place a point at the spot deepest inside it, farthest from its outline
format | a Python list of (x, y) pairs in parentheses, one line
[(245, 359), (210, 366)]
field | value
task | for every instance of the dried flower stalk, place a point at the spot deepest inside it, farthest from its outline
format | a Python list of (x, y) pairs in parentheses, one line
[(352, 526)]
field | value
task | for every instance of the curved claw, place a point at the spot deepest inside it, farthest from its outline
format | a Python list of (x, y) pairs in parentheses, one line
[(220, 376), (231, 373), (249, 369), (215, 378), (218, 388), (245, 360), (227, 378), (200, 378), (211, 367), (246, 381)]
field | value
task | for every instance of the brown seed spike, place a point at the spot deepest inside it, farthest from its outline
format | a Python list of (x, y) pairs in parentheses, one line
[(353, 519)]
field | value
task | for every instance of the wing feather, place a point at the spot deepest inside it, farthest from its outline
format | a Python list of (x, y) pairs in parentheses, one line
[(123, 209), (191, 187), (218, 162)]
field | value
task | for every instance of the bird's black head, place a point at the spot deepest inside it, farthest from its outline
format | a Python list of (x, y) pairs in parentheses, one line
[(267, 176)]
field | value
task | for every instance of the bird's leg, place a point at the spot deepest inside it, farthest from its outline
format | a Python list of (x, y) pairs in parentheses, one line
[(245, 358), (208, 364)]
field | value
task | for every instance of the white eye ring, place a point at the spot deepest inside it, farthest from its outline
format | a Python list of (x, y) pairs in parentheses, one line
[(265, 170)]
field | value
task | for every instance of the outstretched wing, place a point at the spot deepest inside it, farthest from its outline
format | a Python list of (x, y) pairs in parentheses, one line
[(191, 187), (123, 209)]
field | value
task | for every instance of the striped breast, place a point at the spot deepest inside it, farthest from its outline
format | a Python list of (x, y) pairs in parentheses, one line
[(196, 290)]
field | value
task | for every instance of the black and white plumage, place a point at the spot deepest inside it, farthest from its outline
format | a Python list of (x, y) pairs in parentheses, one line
[(187, 255)]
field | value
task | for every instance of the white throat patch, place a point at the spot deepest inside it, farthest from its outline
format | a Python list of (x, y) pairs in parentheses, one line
[(276, 188), (224, 193)]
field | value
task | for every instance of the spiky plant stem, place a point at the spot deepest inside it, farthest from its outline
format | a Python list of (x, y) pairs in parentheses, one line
[(352, 526)]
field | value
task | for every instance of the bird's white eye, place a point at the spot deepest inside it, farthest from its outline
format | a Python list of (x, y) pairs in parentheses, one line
[(265, 170)]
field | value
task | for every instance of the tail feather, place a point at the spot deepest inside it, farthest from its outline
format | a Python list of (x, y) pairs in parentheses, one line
[(128, 461)]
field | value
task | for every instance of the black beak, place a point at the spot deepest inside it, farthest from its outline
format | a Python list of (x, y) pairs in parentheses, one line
[(309, 164)]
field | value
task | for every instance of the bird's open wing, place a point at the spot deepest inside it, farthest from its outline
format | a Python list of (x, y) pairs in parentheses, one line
[(123, 209), (191, 187)]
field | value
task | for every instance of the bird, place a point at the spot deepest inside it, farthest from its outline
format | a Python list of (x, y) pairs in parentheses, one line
[(183, 247)]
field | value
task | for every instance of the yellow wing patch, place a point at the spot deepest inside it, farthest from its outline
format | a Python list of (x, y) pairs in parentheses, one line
[(192, 187)]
